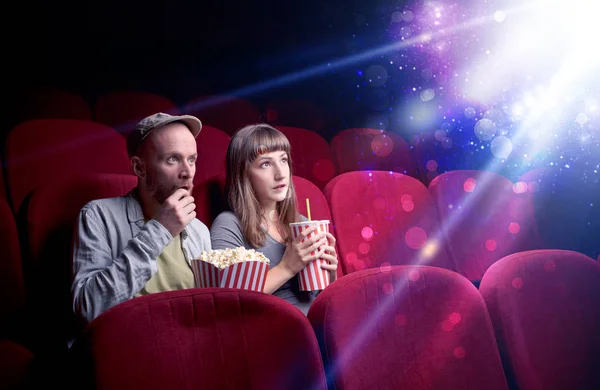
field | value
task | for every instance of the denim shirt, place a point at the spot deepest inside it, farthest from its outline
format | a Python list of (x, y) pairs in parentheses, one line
[(115, 252)]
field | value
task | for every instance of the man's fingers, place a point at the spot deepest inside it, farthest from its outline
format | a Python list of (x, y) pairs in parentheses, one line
[(186, 200), (189, 208)]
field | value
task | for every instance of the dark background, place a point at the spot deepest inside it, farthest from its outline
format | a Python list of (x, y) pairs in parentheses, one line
[(180, 48)]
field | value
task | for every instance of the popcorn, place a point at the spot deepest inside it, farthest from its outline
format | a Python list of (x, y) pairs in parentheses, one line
[(232, 268), (222, 258)]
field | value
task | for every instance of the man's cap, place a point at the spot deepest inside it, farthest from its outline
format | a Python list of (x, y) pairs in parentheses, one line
[(156, 121)]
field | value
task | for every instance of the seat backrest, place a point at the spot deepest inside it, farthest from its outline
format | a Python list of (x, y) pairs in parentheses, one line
[(319, 208), (360, 149), (3, 189), (484, 218), (544, 308), (384, 218), (213, 338), (212, 146), (302, 113), (406, 327), (47, 103), (305, 189), (51, 217), (210, 198), (45, 150), (122, 110), (228, 113), (16, 363), (311, 155), (12, 287)]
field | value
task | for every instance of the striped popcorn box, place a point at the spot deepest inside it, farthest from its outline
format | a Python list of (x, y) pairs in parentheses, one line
[(247, 275), (312, 277)]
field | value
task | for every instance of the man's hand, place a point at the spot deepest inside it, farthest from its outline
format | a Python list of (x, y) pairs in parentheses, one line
[(177, 211)]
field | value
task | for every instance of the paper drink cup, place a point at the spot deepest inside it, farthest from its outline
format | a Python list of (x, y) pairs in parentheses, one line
[(247, 275), (312, 277)]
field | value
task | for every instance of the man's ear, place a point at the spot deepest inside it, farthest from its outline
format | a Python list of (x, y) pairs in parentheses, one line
[(138, 166)]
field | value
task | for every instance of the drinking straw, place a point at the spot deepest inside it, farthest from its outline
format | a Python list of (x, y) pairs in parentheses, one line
[(308, 209)]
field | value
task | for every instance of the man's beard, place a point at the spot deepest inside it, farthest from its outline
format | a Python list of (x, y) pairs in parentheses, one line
[(160, 191)]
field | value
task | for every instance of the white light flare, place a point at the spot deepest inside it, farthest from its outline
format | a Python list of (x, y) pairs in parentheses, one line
[(545, 44)]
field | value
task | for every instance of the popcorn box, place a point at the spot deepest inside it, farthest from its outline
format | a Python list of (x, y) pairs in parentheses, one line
[(245, 274), (312, 277)]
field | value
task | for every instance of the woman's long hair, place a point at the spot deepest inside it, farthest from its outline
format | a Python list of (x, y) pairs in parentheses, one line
[(245, 146)]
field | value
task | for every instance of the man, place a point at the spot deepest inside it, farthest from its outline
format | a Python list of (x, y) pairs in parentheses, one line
[(142, 242)]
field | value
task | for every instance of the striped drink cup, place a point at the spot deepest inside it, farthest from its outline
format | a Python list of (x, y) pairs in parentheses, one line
[(312, 277), (247, 275)]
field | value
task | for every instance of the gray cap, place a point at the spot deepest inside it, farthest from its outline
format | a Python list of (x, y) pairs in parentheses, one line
[(156, 121)]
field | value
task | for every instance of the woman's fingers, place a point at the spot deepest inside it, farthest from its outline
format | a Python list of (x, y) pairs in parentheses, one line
[(330, 238)]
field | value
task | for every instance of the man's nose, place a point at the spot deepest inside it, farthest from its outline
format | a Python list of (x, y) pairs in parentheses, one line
[(189, 168)]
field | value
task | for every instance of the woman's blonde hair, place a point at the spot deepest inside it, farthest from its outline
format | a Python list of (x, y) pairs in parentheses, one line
[(245, 146)]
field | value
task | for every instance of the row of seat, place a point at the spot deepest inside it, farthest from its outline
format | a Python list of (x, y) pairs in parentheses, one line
[(45, 149), (122, 109), (532, 325), (464, 222)]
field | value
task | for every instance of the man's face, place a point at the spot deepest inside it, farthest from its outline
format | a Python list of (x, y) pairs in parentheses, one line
[(170, 161)]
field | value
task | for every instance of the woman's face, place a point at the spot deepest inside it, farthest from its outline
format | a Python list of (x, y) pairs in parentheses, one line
[(269, 175)]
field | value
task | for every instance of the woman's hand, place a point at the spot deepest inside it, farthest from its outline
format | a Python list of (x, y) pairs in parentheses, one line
[(329, 254), (298, 253)]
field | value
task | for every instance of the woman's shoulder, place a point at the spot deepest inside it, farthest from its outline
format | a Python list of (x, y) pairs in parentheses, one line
[(226, 217)]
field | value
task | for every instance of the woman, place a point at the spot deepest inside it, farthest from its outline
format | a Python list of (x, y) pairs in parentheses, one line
[(263, 202)]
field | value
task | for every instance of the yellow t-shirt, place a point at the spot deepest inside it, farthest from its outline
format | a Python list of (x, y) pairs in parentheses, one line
[(174, 272)]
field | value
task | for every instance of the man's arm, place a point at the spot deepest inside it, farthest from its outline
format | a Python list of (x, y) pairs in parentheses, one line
[(101, 281)]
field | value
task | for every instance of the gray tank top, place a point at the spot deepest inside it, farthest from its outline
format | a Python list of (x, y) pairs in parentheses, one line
[(226, 232)]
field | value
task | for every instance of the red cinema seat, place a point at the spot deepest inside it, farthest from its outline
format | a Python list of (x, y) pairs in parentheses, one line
[(52, 103), (484, 218), (212, 146), (43, 151), (319, 208), (311, 155), (210, 198), (223, 112), (360, 149), (296, 112), (12, 285), (15, 366), (544, 308), (51, 218), (384, 218), (406, 327), (122, 110), (211, 338)]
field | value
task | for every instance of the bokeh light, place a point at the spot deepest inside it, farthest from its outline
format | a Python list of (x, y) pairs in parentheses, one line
[(491, 245), (414, 275), (366, 233), (364, 248), (470, 184), (415, 237), (382, 145), (514, 228)]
